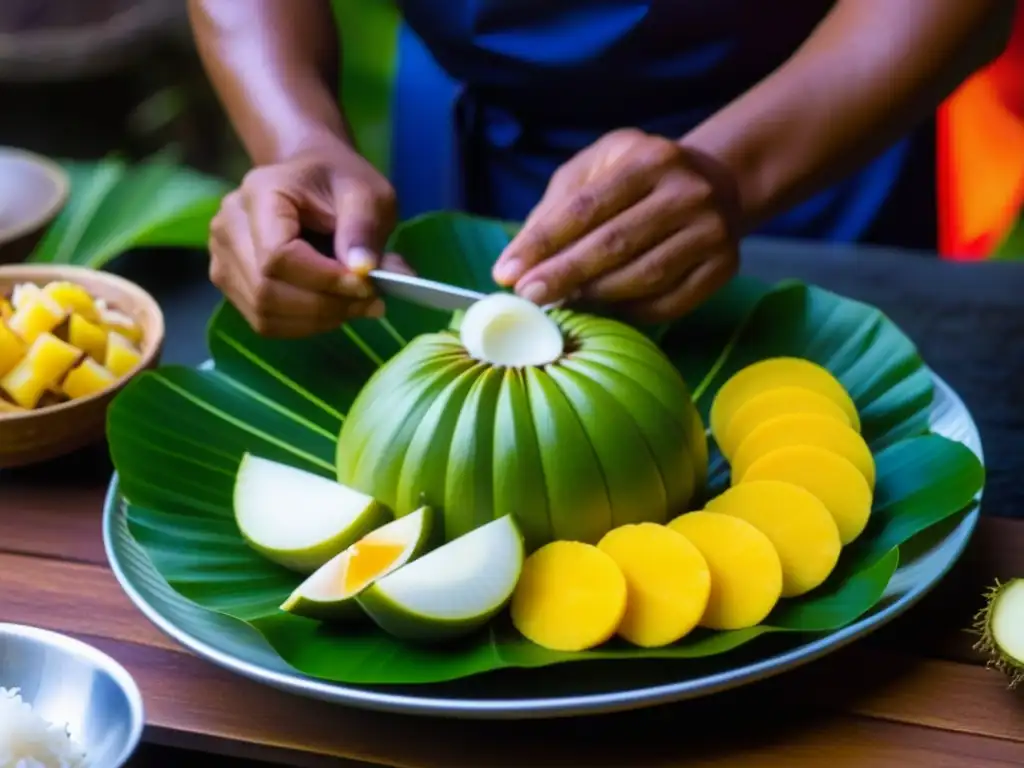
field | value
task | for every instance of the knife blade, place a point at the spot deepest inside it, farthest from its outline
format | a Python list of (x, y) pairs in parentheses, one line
[(419, 290), (428, 293)]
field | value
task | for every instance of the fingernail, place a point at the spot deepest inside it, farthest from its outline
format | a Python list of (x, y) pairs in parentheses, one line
[(535, 292), (507, 272), (376, 309), (352, 285), (360, 259)]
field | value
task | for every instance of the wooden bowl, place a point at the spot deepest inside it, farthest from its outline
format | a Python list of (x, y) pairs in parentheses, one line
[(56, 430), (33, 190)]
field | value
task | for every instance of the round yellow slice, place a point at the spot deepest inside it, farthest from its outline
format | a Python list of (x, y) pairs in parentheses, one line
[(746, 573), (796, 522), (772, 404), (804, 429), (667, 581), (570, 596), (773, 373), (830, 477)]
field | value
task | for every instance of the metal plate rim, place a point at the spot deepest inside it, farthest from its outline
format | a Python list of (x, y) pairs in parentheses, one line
[(562, 706)]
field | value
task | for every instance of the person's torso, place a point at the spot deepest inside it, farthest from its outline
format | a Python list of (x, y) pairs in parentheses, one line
[(598, 63), (522, 85)]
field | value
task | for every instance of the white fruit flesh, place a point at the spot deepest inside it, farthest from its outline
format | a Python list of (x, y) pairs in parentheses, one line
[(1008, 621), (506, 330), (296, 517), (453, 589), (329, 583)]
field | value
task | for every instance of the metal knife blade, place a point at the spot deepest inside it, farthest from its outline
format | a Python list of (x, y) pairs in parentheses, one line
[(429, 293)]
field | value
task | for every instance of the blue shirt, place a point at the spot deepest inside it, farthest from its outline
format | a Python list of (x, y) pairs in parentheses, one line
[(492, 95)]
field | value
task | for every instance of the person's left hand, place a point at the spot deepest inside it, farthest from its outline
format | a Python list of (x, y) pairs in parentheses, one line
[(630, 221)]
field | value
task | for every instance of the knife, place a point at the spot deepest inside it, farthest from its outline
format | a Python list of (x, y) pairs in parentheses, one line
[(419, 290), (428, 293)]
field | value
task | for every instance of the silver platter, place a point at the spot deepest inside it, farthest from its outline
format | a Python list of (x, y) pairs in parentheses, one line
[(564, 690)]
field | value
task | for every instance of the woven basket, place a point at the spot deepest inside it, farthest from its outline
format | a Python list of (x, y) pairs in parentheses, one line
[(48, 40)]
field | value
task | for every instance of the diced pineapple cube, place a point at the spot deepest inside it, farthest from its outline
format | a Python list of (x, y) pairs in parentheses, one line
[(51, 358), (23, 384), (88, 337), (87, 378), (6, 310), (22, 291), (6, 407), (12, 348), (122, 356), (36, 314), (73, 298), (120, 323)]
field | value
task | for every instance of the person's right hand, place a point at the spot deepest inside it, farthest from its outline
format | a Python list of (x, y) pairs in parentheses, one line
[(279, 282)]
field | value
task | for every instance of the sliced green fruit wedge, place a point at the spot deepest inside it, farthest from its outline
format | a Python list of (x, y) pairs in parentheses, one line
[(298, 519), (451, 591), (329, 594)]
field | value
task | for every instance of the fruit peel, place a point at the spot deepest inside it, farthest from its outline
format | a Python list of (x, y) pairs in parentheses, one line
[(991, 624)]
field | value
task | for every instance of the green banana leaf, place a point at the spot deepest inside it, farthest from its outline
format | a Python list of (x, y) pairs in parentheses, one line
[(115, 207), (177, 435)]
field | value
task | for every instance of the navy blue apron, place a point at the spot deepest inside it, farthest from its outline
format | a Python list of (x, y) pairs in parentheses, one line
[(492, 95)]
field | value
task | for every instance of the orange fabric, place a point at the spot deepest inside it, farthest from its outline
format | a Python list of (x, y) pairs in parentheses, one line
[(981, 156)]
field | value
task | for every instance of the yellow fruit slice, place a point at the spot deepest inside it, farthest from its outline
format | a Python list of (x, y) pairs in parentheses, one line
[(771, 404), (88, 337), (12, 348), (667, 582), (122, 356), (6, 310), (36, 314), (6, 407), (370, 558), (570, 596), (746, 573), (804, 429), (23, 385), (73, 298), (830, 477), (796, 522), (119, 322), (773, 373), (87, 378), (51, 358)]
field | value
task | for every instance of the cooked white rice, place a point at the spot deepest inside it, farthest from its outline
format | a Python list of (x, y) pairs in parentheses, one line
[(29, 741)]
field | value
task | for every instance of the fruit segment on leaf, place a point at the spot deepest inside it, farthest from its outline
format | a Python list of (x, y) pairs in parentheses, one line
[(330, 593), (773, 373), (451, 591), (298, 519)]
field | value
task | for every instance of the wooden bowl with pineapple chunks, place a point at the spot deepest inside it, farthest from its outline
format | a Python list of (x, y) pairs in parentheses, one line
[(70, 339)]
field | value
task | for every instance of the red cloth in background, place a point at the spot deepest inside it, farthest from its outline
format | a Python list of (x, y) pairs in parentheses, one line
[(980, 163)]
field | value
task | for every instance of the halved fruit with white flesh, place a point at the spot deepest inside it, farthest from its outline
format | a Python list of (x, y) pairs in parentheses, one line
[(452, 590), (298, 519), (329, 594), (506, 330)]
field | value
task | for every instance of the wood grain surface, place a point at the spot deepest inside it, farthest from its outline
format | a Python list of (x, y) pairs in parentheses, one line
[(914, 694)]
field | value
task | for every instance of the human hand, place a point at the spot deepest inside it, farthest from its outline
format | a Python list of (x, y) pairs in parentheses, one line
[(634, 220), (279, 282)]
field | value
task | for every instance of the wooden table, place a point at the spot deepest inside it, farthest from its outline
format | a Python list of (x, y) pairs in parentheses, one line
[(913, 694)]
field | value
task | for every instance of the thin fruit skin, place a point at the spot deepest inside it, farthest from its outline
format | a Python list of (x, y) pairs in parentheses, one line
[(345, 611), (477, 441)]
